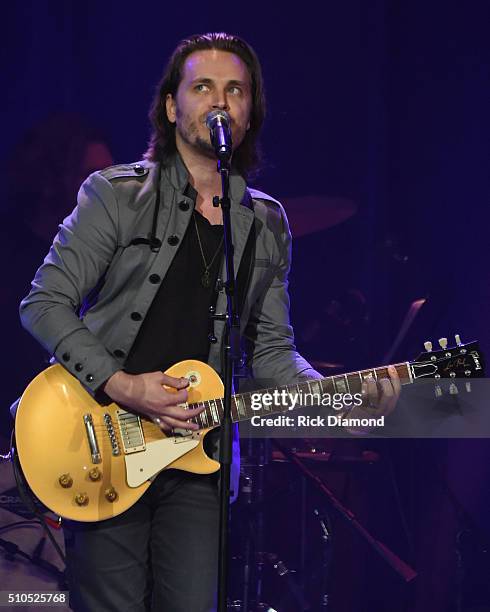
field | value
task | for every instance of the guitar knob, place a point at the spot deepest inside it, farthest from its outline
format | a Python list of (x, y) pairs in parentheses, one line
[(66, 481), (453, 389), (95, 474), (81, 499), (443, 343), (428, 346), (458, 339), (111, 494), (438, 391)]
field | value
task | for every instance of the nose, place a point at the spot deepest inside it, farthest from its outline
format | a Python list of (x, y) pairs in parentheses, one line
[(220, 101)]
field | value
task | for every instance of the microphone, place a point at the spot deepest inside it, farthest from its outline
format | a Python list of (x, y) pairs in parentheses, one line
[(218, 123)]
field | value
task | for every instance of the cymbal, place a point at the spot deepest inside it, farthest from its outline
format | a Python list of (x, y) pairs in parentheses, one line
[(313, 213)]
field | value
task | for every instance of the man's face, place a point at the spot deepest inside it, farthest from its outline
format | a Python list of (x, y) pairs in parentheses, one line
[(211, 80)]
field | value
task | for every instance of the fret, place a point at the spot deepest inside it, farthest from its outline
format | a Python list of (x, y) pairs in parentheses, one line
[(366, 374), (205, 414), (290, 392), (408, 369), (200, 418), (265, 407), (354, 382), (247, 403), (341, 384), (213, 412), (315, 388), (328, 385), (312, 397), (241, 407)]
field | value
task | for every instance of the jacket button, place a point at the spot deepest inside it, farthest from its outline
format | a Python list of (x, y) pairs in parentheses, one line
[(89, 378), (173, 240), (119, 353), (154, 278), (138, 168), (212, 338), (78, 367), (66, 357), (136, 316), (184, 205)]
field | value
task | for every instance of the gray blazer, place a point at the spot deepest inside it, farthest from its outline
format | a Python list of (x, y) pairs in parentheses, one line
[(91, 294)]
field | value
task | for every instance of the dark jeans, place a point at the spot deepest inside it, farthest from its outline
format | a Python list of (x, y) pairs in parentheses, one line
[(159, 555)]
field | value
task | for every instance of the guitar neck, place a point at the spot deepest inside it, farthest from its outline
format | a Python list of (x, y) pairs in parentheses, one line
[(316, 391)]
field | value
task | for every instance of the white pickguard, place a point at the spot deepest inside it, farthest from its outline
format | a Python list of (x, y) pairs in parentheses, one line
[(143, 465)]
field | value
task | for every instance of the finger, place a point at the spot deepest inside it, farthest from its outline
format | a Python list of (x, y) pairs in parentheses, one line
[(395, 380), (179, 397), (372, 391), (167, 423), (179, 424), (388, 397), (178, 412), (386, 388), (176, 383)]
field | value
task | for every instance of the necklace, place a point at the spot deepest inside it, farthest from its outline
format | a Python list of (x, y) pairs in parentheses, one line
[(206, 277)]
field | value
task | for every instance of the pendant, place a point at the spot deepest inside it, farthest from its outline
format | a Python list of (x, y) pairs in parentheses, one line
[(206, 279)]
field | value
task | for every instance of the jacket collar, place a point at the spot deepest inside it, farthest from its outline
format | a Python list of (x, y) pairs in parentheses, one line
[(177, 174)]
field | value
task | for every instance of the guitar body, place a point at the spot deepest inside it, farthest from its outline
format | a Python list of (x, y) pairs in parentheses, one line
[(88, 462)]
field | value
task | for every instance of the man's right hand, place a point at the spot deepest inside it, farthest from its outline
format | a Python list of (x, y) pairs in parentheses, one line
[(145, 393)]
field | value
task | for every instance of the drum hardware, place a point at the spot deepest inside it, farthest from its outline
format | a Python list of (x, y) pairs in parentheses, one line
[(257, 457), (397, 564)]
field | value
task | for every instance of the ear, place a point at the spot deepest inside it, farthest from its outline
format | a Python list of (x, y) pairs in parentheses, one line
[(170, 108)]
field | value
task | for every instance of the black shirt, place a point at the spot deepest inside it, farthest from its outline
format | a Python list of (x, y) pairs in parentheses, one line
[(177, 324)]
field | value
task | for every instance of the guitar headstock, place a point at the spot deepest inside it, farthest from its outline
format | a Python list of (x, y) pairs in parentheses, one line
[(462, 361)]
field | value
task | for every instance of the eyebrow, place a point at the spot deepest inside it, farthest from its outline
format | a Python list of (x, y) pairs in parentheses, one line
[(207, 81)]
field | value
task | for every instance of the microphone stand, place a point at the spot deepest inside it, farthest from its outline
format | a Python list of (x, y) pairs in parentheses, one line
[(231, 358)]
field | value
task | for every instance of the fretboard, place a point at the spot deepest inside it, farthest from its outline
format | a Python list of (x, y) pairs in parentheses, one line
[(306, 393)]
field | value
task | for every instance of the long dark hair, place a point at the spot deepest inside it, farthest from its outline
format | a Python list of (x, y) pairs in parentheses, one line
[(161, 146)]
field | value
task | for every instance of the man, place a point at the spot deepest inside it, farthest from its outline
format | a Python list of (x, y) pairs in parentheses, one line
[(140, 257)]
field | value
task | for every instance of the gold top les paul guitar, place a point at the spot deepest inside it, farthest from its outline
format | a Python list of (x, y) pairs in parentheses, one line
[(89, 462)]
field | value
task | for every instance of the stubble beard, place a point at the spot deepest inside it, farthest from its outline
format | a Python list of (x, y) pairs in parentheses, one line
[(189, 133), (191, 136)]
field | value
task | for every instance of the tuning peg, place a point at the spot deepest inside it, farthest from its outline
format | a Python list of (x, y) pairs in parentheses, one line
[(428, 346), (453, 389), (458, 339), (438, 391), (443, 343), (468, 387)]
